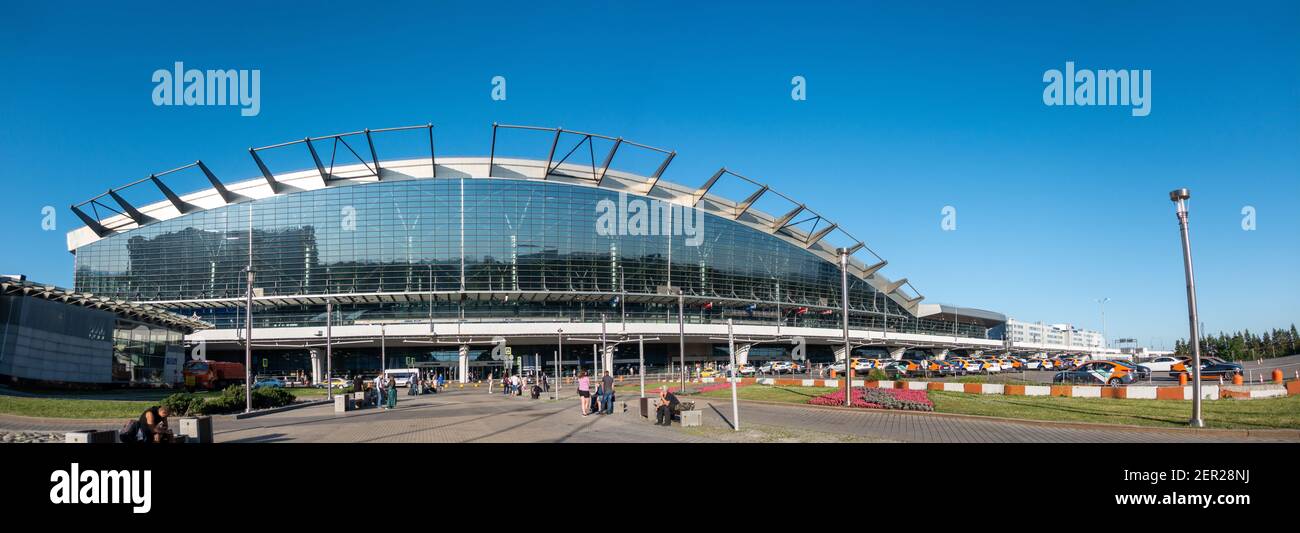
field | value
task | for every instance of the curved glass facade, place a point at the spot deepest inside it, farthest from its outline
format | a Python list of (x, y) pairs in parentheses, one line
[(517, 249)]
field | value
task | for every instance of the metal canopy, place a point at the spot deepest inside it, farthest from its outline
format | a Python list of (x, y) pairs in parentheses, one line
[(135, 311)]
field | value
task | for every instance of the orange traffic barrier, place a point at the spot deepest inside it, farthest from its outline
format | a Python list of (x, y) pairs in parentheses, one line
[(1182, 378), (1237, 379), (1277, 375), (832, 374)]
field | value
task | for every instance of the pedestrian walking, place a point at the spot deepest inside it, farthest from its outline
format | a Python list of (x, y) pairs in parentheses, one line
[(584, 391), (490, 378)]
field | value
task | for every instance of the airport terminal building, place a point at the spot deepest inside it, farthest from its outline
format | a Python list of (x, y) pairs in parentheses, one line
[(433, 261)]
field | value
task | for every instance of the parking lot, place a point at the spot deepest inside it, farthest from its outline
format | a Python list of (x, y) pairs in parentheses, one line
[(1252, 371)]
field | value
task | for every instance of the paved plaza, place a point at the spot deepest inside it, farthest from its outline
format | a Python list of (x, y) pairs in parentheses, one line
[(472, 415)]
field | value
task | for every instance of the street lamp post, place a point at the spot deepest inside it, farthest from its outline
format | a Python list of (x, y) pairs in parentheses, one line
[(329, 350), (248, 319), (383, 349), (1105, 341), (641, 361), (1180, 197), (844, 299), (559, 353), (681, 336), (731, 349), (248, 337)]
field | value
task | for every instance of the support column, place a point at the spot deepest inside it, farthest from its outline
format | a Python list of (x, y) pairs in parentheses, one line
[(609, 359), (315, 366), (463, 363)]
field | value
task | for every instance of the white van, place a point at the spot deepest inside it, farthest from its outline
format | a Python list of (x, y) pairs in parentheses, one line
[(401, 375)]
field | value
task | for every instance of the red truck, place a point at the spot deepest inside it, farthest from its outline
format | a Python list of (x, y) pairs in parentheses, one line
[(212, 375)]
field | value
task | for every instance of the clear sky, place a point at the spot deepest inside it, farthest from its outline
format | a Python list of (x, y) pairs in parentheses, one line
[(910, 107)]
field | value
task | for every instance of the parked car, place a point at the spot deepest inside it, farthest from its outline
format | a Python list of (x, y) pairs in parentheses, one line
[(275, 383), (1096, 373), (1164, 363), (781, 367), (1140, 372), (335, 383), (958, 367), (1034, 363), (1211, 368)]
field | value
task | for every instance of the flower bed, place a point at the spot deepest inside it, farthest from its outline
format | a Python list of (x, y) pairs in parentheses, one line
[(872, 398)]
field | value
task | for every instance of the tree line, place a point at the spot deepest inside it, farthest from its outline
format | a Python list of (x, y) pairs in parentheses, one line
[(1244, 345)]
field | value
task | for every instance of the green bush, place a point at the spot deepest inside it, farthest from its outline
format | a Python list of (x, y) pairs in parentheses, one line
[(877, 374), (183, 404), (231, 400)]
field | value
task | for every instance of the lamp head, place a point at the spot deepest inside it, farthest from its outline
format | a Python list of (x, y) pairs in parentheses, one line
[(1179, 194)]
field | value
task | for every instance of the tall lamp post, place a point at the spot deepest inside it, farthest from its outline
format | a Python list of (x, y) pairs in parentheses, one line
[(1180, 197), (248, 323), (1104, 339), (559, 353), (844, 299), (329, 350), (681, 335)]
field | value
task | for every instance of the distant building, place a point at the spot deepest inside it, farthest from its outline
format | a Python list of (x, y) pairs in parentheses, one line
[(1048, 335), (57, 336)]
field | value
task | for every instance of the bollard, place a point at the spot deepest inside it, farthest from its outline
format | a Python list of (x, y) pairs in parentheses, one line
[(1277, 375), (1237, 379), (1182, 379), (342, 404), (90, 436), (196, 429)]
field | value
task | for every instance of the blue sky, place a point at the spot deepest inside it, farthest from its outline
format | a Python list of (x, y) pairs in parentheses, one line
[(911, 107)]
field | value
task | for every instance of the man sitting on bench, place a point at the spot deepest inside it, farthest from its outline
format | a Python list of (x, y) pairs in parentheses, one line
[(667, 405)]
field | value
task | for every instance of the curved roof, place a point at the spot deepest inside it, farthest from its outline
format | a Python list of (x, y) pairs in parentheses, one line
[(800, 226)]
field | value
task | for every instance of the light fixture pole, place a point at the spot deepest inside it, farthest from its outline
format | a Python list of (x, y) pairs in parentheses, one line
[(248, 319), (329, 350), (1180, 197), (383, 349), (559, 353), (1105, 341), (731, 349), (844, 299), (641, 361), (681, 336)]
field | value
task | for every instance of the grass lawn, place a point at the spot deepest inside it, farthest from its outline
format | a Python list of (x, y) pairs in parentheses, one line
[(769, 393), (1272, 413), (91, 407), (64, 408)]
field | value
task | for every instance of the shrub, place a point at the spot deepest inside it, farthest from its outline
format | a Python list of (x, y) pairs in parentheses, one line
[(877, 374), (183, 404), (231, 400)]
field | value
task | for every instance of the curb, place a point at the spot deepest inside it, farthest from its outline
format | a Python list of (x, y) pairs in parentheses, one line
[(273, 410)]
